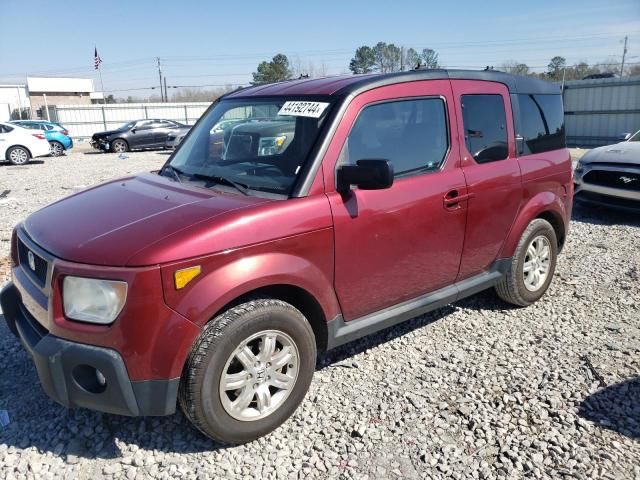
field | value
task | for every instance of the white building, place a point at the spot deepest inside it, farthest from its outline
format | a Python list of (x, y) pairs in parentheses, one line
[(14, 100)]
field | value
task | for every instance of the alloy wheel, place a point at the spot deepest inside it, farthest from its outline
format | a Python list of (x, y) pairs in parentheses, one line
[(537, 263), (259, 375), (56, 149), (18, 156)]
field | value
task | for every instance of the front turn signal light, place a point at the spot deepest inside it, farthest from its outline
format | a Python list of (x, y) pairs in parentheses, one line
[(184, 276)]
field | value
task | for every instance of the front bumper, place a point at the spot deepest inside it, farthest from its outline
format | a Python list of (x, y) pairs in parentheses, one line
[(68, 370), (99, 144), (624, 196)]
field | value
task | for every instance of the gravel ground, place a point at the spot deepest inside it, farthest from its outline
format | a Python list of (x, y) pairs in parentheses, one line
[(473, 390)]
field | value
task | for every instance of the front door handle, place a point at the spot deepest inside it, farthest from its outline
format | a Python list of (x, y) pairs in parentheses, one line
[(453, 198)]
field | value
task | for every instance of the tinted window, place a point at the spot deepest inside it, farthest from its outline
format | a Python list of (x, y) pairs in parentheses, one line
[(5, 128), (541, 123), (485, 127), (411, 134)]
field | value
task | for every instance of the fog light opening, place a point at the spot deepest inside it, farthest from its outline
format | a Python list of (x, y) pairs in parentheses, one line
[(89, 379)]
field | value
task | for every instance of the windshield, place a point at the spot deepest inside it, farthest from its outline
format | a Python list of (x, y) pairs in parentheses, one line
[(251, 143), (127, 126)]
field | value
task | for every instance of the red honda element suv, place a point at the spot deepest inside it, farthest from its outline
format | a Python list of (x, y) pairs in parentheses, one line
[(293, 218)]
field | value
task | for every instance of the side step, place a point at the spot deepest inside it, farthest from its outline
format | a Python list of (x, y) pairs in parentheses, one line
[(340, 332)]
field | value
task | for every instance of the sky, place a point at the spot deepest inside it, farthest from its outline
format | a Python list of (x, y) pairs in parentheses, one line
[(207, 44)]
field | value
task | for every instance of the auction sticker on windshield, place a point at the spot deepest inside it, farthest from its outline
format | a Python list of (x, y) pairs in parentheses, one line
[(303, 109)]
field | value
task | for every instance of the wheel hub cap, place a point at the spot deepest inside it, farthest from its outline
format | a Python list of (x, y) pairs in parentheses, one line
[(259, 375), (537, 263)]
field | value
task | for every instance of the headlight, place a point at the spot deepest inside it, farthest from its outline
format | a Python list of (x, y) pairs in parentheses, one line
[(271, 145), (93, 300)]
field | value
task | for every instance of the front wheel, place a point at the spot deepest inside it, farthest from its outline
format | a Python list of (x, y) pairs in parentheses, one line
[(248, 371), (56, 149), (18, 155), (532, 266), (119, 146)]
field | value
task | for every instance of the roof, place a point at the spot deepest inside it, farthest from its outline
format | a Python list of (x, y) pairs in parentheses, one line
[(347, 84), (59, 85)]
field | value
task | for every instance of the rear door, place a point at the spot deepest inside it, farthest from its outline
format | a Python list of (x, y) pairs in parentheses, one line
[(491, 169), (396, 244), (5, 140)]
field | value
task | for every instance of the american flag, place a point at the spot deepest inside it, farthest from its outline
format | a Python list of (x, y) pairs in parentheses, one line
[(96, 59)]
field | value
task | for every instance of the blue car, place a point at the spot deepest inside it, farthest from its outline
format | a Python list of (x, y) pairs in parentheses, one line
[(57, 136)]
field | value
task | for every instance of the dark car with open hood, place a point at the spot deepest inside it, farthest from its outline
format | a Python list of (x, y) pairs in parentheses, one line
[(293, 218), (136, 135)]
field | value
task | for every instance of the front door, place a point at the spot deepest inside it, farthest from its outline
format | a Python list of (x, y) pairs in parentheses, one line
[(142, 136), (396, 244)]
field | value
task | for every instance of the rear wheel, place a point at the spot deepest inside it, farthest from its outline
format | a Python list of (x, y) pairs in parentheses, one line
[(56, 149), (18, 155), (532, 265), (119, 146), (248, 371)]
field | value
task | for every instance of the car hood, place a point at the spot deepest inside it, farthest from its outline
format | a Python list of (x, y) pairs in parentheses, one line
[(623, 152), (108, 132), (110, 223)]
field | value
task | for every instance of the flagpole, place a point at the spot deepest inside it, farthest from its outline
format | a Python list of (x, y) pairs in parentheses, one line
[(104, 100)]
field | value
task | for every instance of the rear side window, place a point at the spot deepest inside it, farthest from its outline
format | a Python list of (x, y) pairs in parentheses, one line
[(541, 123), (485, 127), (411, 134)]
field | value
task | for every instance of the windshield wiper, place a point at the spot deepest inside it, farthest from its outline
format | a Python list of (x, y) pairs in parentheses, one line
[(223, 180), (174, 171)]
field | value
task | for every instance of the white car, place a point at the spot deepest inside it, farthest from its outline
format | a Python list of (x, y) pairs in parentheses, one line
[(19, 145)]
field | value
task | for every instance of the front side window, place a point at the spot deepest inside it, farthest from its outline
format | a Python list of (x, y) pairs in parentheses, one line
[(541, 123), (411, 134), (485, 127), (258, 144)]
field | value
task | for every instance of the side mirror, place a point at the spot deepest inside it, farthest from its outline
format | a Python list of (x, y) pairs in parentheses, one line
[(133, 130), (366, 175)]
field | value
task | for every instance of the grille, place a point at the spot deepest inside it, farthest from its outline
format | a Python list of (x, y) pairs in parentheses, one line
[(621, 180), (39, 274)]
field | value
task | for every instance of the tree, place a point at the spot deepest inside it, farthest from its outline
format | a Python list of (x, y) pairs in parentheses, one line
[(634, 71), (555, 67), (429, 58), (387, 57), (110, 98), (514, 67), (363, 61), (276, 70), (411, 59)]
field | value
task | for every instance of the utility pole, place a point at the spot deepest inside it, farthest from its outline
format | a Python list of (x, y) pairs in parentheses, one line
[(166, 96), (160, 76), (624, 54), (402, 59)]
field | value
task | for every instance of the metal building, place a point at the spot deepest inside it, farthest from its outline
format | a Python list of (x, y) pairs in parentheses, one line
[(598, 111)]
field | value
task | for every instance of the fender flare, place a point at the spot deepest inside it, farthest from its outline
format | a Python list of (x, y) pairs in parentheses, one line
[(241, 276), (544, 204)]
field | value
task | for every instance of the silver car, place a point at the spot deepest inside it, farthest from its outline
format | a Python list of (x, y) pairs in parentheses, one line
[(610, 175), (176, 136)]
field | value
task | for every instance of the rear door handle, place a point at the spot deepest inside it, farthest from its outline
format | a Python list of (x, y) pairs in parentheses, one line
[(453, 198)]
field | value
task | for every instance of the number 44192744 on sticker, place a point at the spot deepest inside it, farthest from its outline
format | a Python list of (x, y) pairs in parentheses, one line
[(303, 109)]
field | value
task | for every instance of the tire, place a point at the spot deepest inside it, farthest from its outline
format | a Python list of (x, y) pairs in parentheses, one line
[(56, 149), (119, 146), (520, 287), (217, 354), (18, 155)]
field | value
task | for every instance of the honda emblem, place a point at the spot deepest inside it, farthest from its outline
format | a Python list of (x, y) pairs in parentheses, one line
[(32, 260)]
